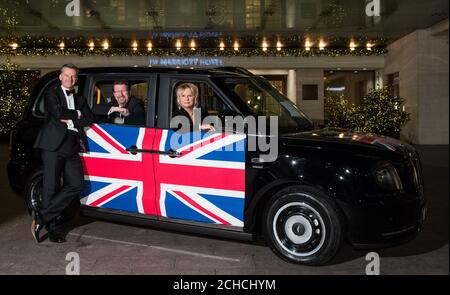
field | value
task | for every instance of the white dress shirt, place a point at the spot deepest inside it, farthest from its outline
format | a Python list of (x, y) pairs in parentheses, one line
[(71, 106)]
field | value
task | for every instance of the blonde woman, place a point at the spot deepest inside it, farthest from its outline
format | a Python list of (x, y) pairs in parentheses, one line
[(187, 102)]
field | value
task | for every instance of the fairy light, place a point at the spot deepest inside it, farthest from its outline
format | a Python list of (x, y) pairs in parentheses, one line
[(264, 46), (192, 45), (39, 46), (178, 45), (134, 45), (308, 45), (322, 45), (236, 46), (105, 45), (279, 45)]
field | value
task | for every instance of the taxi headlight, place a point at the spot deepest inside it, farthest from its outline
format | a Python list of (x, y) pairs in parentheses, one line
[(386, 177)]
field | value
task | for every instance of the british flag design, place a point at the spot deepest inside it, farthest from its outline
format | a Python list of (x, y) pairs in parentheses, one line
[(387, 142), (205, 182)]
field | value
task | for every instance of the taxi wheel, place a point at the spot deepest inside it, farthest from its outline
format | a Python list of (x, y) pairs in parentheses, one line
[(33, 192), (303, 226)]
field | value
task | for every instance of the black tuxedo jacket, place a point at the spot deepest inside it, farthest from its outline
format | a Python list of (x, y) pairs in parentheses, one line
[(134, 105), (53, 131)]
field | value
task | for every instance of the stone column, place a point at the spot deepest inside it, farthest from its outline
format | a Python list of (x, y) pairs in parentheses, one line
[(292, 86)]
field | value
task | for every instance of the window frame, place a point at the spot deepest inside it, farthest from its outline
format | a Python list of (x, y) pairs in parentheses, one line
[(167, 90), (151, 80)]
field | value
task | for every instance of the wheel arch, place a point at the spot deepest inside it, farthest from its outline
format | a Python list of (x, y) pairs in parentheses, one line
[(320, 202), (255, 211)]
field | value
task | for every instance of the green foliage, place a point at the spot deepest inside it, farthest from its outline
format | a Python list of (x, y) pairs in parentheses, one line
[(340, 113), (383, 113), (15, 88), (379, 112)]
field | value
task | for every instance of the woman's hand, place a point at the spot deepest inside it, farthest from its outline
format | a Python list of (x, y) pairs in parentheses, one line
[(207, 127)]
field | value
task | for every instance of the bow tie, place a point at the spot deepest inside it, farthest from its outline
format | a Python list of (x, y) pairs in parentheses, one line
[(70, 92)]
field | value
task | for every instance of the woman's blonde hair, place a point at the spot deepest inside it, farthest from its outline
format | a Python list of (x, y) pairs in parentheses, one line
[(184, 86)]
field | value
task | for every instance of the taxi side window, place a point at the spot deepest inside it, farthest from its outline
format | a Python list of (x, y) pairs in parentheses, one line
[(135, 100), (208, 99)]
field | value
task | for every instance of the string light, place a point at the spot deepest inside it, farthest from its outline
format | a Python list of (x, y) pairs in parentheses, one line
[(308, 45), (236, 46), (264, 46), (246, 46), (134, 45), (61, 45), (192, 45), (322, 45), (105, 45), (279, 45)]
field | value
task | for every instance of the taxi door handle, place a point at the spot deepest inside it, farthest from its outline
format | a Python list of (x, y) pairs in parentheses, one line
[(171, 153)]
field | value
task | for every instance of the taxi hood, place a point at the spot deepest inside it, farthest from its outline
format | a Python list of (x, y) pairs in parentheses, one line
[(337, 136)]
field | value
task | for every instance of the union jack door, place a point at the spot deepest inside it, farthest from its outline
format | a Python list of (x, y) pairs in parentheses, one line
[(200, 176), (196, 176), (116, 176)]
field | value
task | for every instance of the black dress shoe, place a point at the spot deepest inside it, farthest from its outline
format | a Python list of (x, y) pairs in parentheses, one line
[(56, 237), (53, 225), (36, 227)]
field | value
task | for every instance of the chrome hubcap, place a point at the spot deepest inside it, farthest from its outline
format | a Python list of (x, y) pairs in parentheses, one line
[(299, 229)]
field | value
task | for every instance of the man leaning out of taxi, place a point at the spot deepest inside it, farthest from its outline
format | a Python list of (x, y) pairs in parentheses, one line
[(123, 109)]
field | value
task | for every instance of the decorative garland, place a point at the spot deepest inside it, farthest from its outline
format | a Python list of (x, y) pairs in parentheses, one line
[(162, 45)]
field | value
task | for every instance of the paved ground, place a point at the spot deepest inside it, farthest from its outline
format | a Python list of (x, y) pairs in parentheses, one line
[(108, 248)]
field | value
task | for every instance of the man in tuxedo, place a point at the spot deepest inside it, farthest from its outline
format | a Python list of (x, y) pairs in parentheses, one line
[(123, 109), (60, 139)]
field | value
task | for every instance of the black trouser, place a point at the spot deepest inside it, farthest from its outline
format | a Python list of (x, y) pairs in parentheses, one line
[(63, 164)]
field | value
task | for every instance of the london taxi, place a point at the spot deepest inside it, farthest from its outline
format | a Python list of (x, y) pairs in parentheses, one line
[(324, 187)]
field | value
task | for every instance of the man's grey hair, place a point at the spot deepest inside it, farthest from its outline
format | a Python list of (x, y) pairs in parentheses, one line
[(70, 66)]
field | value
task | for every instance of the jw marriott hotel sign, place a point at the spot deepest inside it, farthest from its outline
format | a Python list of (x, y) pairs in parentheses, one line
[(186, 62)]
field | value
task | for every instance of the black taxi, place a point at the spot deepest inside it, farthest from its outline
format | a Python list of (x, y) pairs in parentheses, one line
[(304, 189)]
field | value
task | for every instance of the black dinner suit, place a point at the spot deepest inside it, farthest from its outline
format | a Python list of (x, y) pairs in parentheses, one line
[(59, 148), (135, 106)]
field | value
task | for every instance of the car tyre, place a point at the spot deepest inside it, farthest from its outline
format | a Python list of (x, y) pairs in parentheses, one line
[(302, 225), (33, 191)]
